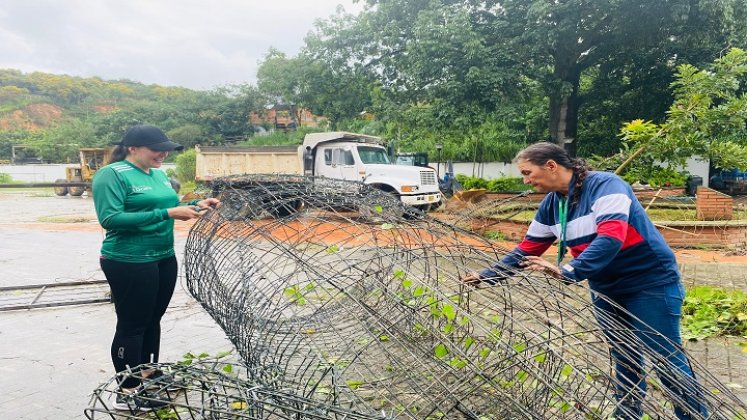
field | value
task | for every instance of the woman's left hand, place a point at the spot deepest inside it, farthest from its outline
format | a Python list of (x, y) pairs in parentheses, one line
[(539, 264), (209, 203)]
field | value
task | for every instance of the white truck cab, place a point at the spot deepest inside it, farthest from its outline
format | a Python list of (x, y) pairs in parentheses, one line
[(358, 157)]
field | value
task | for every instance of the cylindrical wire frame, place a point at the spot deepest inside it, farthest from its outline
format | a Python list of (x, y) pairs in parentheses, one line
[(344, 296)]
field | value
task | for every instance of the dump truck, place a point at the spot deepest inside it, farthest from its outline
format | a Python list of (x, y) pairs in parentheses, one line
[(336, 155), (91, 159)]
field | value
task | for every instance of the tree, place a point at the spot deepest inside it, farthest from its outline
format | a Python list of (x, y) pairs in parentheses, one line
[(186, 164), (62, 143), (188, 135), (312, 81), (469, 58), (226, 110), (707, 118)]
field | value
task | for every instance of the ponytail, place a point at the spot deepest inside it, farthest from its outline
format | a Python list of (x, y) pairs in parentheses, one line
[(581, 170), (119, 153)]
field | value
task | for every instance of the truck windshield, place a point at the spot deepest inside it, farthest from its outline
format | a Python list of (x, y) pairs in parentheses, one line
[(373, 155)]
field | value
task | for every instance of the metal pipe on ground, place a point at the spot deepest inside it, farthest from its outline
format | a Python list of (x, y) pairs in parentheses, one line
[(46, 184)]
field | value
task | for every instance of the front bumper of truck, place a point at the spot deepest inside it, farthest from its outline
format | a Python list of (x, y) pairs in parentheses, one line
[(420, 199)]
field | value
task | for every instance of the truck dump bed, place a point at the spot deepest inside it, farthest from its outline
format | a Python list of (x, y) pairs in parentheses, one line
[(214, 162)]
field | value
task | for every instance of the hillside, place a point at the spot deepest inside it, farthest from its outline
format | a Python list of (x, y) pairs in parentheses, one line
[(57, 114), (32, 117)]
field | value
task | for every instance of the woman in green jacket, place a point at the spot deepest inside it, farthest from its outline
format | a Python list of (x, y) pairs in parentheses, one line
[(137, 206)]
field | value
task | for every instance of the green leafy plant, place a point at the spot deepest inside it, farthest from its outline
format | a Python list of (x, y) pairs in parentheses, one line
[(186, 164), (503, 184), (508, 184), (494, 235), (706, 119), (713, 311), (472, 182)]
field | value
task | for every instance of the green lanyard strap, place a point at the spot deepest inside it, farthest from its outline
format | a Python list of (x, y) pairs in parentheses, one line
[(563, 216)]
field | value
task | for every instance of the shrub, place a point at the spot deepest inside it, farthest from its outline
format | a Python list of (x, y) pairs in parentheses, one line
[(186, 166), (472, 182), (508, 184), (712, 311), (505, 184), (5, 178)]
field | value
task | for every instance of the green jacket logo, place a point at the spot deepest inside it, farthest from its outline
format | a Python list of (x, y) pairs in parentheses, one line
[(138, 189)]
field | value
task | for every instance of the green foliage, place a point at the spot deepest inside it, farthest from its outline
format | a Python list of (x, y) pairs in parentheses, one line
[(95, 112), (494, 235), (316, 81), (707, 118), (186, 166), (472, 182), (189, 135), (188, 187), (280, 138), (62, 142), (508, 184), (503, 184), (712, 311), (442, 66), (5, 178)]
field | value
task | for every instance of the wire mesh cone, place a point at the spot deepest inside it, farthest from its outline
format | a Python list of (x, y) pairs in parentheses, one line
[(339, 295)]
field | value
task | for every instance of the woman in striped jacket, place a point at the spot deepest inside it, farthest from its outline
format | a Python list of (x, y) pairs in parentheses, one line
[(616, 247)]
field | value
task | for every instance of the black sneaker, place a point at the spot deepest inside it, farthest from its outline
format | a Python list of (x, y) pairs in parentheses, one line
[(139, 401), (159, 380)]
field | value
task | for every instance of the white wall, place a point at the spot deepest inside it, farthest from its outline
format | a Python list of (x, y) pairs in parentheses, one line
[(486, 170), (45, 172), (491, 170), (698, 167)]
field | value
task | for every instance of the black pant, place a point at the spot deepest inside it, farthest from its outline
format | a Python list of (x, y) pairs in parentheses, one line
[(141, 294)]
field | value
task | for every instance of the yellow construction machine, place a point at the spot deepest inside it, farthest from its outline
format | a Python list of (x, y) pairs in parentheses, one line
[(91, 159)]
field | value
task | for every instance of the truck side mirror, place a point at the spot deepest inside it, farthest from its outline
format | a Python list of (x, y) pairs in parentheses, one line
[(308, 162)]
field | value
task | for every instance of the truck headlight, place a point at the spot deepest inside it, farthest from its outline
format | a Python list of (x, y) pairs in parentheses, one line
[(409, 188)]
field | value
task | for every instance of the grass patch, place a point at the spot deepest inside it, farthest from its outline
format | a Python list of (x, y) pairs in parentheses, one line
[(714, 311), (41, 192), (494, 235)]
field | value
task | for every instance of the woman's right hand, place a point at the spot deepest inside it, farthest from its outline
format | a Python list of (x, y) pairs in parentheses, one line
[(184, 213), (472, 278)]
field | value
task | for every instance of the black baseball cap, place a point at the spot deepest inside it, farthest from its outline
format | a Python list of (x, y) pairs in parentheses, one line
[(148, 136)]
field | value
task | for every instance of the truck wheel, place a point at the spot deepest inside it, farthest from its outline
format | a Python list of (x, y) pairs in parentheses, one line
[(76, 191), (61, 190), (425, 208), (378, 212), (387, 207)]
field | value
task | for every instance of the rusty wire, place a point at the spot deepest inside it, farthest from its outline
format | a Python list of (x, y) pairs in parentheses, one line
[(340, 295)]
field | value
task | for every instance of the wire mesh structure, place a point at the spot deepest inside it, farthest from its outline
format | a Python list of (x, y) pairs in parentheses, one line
[(342, 296), (210, 390)]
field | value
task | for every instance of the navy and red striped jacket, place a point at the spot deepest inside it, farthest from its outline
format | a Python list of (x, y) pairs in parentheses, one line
[(613, 242)]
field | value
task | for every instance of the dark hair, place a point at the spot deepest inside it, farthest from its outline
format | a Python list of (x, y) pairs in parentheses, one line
[(119, 153), (539, 153)]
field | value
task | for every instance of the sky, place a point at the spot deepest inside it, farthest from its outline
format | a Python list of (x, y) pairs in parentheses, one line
[(189, 43)]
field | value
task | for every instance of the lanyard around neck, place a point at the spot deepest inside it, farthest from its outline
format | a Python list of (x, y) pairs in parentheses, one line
[(563, 216)]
